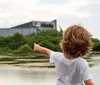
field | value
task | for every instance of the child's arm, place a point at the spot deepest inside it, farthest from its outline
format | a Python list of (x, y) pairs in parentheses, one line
[(42, 49), (88, 82)]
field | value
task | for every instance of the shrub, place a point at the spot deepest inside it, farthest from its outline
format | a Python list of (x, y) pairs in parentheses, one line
[(5, 50), (46, 38), (24, 50), (16, 41), (96, 44)]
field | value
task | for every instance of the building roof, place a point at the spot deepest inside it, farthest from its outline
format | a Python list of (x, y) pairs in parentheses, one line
[(25, 25), (30, 24)]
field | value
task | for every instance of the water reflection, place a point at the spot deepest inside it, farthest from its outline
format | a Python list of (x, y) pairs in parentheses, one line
[(27, 76), (96, 74)]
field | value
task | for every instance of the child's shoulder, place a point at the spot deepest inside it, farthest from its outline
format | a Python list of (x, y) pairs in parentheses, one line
[(82, 62)]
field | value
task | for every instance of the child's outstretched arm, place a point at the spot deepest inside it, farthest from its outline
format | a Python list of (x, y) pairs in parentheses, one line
[(42, 49)]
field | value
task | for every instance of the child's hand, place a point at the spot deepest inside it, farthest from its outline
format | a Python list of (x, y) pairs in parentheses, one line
[(42, 49), (36, 47)]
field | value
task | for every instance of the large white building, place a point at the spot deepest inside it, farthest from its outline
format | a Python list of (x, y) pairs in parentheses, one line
[(29, 27)]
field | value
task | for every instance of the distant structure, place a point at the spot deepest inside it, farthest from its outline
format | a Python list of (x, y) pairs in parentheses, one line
[(29, 27)]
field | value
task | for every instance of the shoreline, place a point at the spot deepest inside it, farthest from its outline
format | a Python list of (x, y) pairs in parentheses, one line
[(39, 62), (43, 65)]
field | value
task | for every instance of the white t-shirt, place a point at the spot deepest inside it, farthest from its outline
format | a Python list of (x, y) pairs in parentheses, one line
[(70, 72)]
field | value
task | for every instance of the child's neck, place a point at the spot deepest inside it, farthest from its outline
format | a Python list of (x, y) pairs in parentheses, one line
[(69, 57)]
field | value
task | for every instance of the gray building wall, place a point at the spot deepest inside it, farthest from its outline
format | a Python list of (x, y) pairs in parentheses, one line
[(13, 31), (4, 32), (24, 31)]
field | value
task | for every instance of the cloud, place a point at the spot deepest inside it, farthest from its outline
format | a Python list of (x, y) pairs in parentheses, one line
[(15, 11), (20, 11)]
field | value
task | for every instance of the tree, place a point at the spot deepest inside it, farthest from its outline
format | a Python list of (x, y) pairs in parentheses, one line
[(96, 44), (16, 41)]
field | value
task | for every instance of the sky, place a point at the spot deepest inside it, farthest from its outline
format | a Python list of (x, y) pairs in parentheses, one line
[(67, 12)]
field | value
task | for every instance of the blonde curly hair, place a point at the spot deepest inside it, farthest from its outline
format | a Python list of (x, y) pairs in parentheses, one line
[(76, 41)]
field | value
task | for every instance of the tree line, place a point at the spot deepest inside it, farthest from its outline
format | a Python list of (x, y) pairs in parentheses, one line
[(19, 44)]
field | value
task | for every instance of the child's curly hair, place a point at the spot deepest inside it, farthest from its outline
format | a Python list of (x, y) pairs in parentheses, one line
[(76, 41)]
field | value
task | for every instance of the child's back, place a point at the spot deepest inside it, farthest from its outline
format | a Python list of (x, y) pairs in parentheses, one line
[(70, 72)]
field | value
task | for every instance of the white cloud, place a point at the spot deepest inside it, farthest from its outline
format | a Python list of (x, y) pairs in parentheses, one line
[(34, 10), (15, 11)]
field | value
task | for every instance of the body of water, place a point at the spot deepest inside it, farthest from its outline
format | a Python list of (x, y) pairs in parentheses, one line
[(11, 75)]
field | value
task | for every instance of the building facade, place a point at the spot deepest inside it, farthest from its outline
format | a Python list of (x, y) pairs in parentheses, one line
[(29, 27)]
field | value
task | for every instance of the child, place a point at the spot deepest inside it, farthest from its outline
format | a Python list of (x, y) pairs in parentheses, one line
[(71, 69)]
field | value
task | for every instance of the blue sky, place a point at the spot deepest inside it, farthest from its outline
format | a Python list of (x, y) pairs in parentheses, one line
[(67, 12)]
